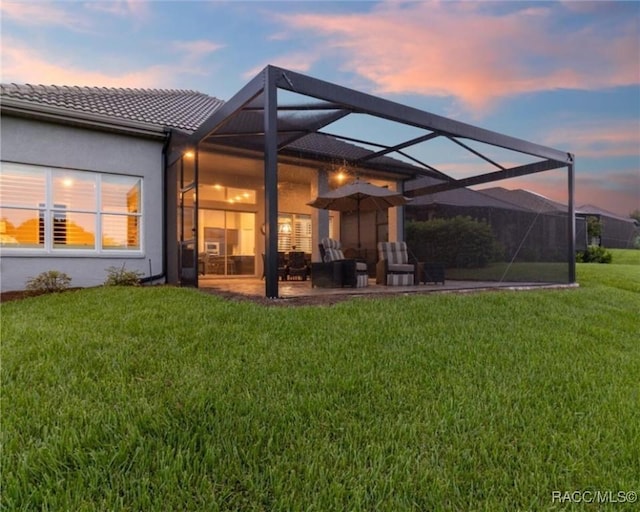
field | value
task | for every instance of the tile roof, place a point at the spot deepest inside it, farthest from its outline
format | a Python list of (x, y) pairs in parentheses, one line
[(590, 209), (525, 199), (182, 109), (185, 110), (456, 197)]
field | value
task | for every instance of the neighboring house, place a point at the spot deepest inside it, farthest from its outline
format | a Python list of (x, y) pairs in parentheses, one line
[(529, 227), (546, 222), (616, 232), (184, 187)]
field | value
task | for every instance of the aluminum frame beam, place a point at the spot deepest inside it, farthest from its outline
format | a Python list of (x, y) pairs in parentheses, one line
[(477, 153), (386, 109), (271, 184), (572, 223), (398, 147), (514, 172), (227, 111)]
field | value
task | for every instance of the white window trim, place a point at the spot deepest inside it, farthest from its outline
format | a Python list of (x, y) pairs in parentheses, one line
[(60, 252)]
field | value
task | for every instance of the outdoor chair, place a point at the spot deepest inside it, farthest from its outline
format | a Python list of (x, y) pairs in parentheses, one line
[(336, 270), (297, 266), (282, 266), (393, 268)]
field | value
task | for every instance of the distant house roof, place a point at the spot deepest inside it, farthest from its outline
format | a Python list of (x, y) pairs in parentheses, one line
[(456, 197), (525, 199), (589, 209), (181, 109)]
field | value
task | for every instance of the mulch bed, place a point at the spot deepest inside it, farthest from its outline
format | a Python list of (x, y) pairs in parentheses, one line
[(317, 300), (321, 300), (15, 295)]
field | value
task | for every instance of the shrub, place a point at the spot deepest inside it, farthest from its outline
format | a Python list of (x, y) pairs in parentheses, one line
[(594, 254), (51, 281), (460, 242), (118, 276)]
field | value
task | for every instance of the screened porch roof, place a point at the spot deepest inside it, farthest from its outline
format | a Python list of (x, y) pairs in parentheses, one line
[(308, 115)]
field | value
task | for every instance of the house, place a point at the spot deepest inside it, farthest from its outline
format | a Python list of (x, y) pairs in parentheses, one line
[(184, 187), (616, 232)]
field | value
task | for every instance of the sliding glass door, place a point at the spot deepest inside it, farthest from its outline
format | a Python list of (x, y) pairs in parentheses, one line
[(227, 243)]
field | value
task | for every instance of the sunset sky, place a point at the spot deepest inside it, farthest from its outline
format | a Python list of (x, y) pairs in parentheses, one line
[(562, 74)]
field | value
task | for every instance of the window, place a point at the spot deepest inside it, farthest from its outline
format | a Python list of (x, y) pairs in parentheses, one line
[(61, 210), (294, 232), (224, 194)]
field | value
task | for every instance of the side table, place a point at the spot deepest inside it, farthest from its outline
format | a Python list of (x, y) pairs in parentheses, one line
[(430, 273)]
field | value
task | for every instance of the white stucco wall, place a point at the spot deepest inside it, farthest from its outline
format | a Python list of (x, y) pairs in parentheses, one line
[(39, 143)]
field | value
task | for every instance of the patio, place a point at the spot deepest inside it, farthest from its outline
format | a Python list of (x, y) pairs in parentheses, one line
[(284, 139), (254, 288)]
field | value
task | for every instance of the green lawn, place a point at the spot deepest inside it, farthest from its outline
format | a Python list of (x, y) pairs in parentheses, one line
[(625, 256), (169, 399)]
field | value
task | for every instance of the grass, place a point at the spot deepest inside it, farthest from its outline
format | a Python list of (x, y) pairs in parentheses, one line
[(625, 256), (169, 399)]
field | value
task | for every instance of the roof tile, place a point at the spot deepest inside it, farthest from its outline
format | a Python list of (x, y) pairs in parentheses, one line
[(184, 109)]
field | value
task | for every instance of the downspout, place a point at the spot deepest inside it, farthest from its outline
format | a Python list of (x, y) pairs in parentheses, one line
[(163, 192)]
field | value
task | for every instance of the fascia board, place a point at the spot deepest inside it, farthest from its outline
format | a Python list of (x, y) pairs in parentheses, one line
[(21, 108)]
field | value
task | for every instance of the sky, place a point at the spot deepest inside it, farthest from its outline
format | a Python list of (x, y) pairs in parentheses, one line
[(561, 74)]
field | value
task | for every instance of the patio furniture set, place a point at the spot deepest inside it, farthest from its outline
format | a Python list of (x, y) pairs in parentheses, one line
[(393, 267)]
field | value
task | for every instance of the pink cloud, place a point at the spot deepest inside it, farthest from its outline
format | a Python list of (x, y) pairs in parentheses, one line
[(606, 138), (25, 65), (616, 192), (194, 51), (460, 49), (300, 62)]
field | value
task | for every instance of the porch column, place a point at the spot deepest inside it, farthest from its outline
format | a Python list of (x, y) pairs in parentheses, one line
[(572, 221), (271, 182), (319, 217), (396, 218)]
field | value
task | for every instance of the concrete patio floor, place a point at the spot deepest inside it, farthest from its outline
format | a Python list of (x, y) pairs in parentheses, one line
[(254, 287)]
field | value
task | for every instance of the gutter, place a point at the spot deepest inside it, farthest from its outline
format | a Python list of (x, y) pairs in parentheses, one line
[(60, 115), (165, 147)]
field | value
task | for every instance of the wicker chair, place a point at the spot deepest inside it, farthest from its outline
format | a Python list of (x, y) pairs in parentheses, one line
[(393, 268), (336, 270)]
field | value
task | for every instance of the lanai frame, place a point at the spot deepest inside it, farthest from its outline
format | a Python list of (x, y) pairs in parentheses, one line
[(282, 125)]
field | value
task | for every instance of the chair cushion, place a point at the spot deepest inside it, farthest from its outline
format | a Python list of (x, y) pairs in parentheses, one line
[(393, 252), (361, 266), (399, 279), (401, 268), (330, 243), (333, 255), (362, 281)]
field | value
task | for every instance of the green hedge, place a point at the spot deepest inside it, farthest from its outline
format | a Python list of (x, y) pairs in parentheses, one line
[(594, 254), (459, 242)]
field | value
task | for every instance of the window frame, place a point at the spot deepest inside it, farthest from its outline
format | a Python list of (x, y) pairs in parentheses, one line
[(50, 209), (293, 240)]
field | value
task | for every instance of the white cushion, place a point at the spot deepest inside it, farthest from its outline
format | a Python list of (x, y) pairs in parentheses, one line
[(399, 279)]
